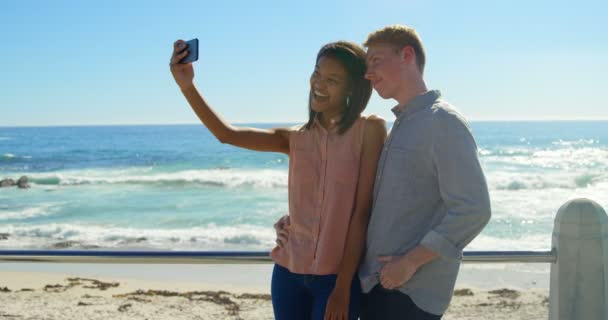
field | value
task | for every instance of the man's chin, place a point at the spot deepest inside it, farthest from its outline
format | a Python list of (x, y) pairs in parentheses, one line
[(382, 94)]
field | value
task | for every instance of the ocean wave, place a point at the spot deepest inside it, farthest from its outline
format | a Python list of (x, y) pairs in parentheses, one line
[(8, 157), (561, 180), (560, 158), (506, 152), (41, 210), (243, 237), (533, 242), (12, 157), (77, 236), (229, 178), (579, 142), (5, 138)]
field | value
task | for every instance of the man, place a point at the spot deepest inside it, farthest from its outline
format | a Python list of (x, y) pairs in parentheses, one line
[(430, 195)]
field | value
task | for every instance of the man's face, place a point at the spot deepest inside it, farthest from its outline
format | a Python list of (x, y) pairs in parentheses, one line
[(383, 69)]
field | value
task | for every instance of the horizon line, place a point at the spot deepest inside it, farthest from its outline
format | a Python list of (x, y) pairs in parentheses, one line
[(284, 122)]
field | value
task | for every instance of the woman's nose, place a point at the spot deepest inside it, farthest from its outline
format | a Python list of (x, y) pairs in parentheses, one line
[(318, 84)]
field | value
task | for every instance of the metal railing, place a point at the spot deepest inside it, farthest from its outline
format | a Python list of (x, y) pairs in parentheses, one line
[(220, 257)]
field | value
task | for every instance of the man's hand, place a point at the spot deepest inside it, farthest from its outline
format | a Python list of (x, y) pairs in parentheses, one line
[(281, 229), (337, 305), (397, 270)]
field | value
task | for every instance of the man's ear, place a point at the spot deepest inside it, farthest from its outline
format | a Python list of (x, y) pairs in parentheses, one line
[(407, 53)]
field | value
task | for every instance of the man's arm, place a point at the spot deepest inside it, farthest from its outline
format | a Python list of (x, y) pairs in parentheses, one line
[(463, 189)]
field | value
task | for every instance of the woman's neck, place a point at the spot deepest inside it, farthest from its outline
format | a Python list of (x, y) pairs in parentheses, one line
[(329, 119)]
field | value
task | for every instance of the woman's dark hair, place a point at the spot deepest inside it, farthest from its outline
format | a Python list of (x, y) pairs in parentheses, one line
[(352, 57)]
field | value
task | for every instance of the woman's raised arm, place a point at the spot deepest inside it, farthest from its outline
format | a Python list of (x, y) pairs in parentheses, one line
[(273, 140)]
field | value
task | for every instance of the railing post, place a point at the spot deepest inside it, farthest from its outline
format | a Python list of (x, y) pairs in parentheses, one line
[(579, 277)]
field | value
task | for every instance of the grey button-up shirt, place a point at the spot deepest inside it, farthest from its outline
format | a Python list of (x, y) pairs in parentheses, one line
[(429, 190)]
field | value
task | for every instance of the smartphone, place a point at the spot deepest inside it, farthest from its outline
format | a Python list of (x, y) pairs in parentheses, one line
[(192, 47)]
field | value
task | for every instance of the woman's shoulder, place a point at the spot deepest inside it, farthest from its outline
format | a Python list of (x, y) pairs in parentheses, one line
[(297, 132), (374, 120), (297, 128), (375, 128)]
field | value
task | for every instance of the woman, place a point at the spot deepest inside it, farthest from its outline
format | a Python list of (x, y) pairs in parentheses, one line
[(332, 166)]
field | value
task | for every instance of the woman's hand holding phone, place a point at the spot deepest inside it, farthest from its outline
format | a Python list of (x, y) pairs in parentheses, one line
[(183, 73)]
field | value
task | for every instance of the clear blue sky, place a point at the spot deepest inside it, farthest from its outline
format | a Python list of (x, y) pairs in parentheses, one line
[(106, 62)]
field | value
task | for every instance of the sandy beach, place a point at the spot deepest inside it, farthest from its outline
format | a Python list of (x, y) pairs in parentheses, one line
[(226, 292)]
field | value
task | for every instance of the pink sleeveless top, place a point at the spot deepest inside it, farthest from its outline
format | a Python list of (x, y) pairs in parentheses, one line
[(323, 176)]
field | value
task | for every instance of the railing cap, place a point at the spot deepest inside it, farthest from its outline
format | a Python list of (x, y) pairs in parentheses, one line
[(581, 211)]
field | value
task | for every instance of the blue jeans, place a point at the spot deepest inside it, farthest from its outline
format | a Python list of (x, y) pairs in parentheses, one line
[(304, 296)]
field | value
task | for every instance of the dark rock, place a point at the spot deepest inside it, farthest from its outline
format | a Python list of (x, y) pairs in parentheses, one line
[(65, 244), (4, 236), (133, 240), (7, 183), (22, 183)]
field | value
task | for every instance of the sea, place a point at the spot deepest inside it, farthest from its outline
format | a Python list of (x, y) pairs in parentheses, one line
[(175, 187)]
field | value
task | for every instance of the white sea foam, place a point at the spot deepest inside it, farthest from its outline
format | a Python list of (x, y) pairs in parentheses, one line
[(243, 237), (10, 156), (228, 178), (211, 237), (561, 158), (40, 210), (541, 204), (516, 180), (579, 142), (536, 242)]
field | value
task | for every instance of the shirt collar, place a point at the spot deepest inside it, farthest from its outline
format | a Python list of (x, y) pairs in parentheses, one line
[(418, 103)]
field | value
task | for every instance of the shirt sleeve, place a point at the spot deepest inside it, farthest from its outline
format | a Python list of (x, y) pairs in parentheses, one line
[(462, 186)]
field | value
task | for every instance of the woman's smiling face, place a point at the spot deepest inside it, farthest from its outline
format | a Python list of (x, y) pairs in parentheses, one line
[(328, 85)]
